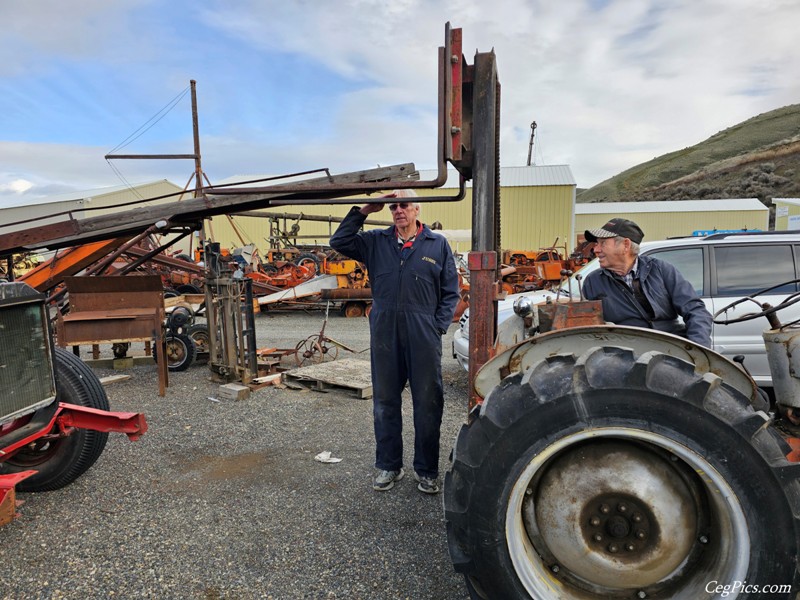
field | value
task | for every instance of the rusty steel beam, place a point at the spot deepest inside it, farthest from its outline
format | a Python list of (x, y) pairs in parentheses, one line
[(193, 210), (483, 259), (347, 294)]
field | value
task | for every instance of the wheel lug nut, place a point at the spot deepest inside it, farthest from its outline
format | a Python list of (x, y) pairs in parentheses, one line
[(636, 518), (605, 509), (630, 547), (613, 548), (595, 521), (641, 594), (703, 539), (641, 534), (621, 507), (528, 491), (555, 568), (598, 537)]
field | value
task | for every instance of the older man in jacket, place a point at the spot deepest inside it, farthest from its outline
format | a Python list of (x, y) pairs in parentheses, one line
[(640, 290)]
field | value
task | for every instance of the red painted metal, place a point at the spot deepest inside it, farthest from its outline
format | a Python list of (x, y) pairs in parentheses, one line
[(68, 417), (81, 417)]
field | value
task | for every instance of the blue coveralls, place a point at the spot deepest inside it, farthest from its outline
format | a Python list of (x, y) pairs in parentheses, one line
[(414, 297)]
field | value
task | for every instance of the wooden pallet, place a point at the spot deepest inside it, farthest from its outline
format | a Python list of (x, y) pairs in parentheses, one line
[(346, 373)]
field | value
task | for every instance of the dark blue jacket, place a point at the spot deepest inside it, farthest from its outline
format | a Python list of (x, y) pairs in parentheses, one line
[(424, 282), (665, 288)]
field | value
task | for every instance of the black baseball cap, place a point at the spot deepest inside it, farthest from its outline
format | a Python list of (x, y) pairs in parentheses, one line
[(616, 228)]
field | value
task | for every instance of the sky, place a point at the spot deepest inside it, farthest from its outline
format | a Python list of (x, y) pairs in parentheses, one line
[(292, 85)]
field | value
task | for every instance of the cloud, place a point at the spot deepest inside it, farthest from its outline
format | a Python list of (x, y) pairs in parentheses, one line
[(16, 186), (289, 86)]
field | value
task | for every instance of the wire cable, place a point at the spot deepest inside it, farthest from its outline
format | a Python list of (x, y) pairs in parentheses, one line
[(164, 111), (151, 121)]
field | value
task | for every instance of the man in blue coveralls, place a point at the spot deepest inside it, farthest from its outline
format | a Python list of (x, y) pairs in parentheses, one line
[(414, 295)]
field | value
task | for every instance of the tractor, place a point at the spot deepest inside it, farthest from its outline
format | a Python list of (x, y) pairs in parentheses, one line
[(600, 461), (54, 417)]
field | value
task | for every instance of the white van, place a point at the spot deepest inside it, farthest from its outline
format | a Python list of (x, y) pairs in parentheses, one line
[(722, 268)]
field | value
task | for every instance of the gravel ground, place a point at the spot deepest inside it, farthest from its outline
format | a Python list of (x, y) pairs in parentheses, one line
[(225, 499)]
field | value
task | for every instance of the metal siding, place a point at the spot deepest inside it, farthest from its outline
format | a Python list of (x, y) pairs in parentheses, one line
[(728, 204), (793, 206), (531, 218), (452, 215), (99, 202), (536, 217), (660, 226)]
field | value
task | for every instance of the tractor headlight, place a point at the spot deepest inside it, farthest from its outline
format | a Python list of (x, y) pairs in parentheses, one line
[(523, 306)]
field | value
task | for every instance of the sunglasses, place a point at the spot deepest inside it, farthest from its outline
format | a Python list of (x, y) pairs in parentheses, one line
[(403, 205)]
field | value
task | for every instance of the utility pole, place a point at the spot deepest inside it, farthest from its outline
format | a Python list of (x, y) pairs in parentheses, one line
[(530, 146), (198, 168)]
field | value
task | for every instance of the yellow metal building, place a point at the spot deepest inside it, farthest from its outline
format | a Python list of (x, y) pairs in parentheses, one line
[(536, 204), (787, 213), (662, 220)]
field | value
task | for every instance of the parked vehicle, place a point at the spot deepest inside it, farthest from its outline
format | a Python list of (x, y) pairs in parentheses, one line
[(721, 268)]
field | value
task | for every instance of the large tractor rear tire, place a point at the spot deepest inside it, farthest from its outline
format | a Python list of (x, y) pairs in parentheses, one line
[(60, 461), (607, 476)]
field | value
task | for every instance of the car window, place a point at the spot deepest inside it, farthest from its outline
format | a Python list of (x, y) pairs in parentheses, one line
[(689, 261), (742, 270), (576, 280)]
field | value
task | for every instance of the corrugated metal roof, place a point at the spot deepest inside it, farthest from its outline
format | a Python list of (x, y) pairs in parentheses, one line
[(795, 201), (83, 194), (529, 176), (732, 204)]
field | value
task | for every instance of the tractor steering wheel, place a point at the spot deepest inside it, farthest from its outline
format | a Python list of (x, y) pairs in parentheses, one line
[(766, 309)]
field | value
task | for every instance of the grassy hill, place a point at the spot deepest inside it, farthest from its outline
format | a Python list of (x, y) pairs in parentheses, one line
[(759, 158)]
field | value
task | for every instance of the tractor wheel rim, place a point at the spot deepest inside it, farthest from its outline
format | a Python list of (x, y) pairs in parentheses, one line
[(560, 504)]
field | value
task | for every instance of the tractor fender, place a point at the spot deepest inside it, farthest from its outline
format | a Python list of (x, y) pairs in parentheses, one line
[(576, 340)]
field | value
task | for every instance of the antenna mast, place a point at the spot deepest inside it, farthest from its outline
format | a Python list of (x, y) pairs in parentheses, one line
[(530, 146)]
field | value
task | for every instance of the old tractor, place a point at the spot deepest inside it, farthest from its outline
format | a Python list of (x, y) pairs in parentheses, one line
[(600, 461), (54, 417)]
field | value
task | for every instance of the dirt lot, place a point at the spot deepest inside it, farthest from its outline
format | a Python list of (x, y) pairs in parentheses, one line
[(225, 500)]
